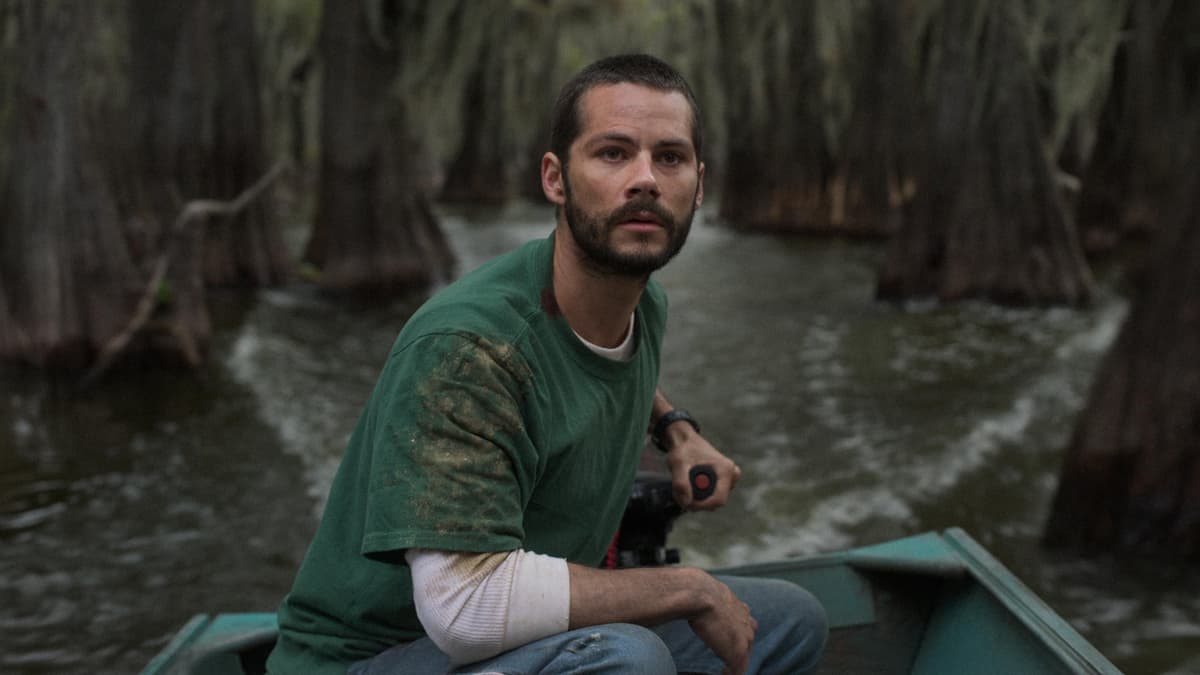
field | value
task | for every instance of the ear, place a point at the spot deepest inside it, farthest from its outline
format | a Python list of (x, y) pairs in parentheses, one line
[(700, 185), (552, 179)]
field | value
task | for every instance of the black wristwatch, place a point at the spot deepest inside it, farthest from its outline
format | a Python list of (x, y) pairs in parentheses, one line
[(665, 420)]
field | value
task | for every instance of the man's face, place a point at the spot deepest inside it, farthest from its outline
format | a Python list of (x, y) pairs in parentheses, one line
[(633, 181)]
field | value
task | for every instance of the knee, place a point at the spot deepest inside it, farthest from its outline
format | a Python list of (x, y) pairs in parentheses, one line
[(802, 618), (792, 625), (784, 603), (624, 648), (809, 611)]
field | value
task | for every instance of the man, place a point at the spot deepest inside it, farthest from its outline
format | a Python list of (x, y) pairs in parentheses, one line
[(490, 468)]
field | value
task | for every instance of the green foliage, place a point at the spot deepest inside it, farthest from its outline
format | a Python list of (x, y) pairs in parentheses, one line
[(526, 49), (788, 57), (309, 272), (837, 40), (1076, 44), (106, 83), (164, 295), (286, 31)]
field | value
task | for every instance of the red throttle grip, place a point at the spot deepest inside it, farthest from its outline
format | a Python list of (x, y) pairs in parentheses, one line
[(704, 481)]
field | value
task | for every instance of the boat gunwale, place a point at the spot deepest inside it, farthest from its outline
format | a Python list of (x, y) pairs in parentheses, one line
[(952, 555)]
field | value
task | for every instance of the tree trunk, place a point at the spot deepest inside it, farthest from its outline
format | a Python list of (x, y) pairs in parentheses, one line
[(873, 180), (13, 340), (535, 92), (777, 164), (68, 278), (375, 227), (1131, 476), (196, 105), (1145, 123), (987, 220), (479, 173)]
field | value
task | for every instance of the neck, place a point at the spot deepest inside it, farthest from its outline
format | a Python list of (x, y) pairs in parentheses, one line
[(595, 304)]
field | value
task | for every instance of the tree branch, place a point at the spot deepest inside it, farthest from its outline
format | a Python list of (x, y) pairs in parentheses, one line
[(195, 210)]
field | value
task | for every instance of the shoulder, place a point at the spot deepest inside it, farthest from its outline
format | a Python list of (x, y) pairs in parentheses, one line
[(496, 300), (459, 363)]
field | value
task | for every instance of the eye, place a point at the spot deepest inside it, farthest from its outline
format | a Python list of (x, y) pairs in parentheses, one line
[(671, 158), (612, 153)]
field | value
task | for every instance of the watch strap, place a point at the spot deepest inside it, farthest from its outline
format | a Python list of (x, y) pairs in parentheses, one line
[(667, 419)]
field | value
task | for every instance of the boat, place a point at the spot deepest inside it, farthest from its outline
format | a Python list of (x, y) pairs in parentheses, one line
[(929, 604)]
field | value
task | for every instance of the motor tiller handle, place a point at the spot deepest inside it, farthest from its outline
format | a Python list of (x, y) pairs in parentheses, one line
[(704, 481)]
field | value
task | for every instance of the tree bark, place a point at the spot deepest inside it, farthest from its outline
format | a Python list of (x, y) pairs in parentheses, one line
[(873, 180), (1149, 114), (479, 173), (777, 163), (535, 92), (195, 102), (1131, 476), (68, 276), (12, 339), (987, 220), (375, 227)]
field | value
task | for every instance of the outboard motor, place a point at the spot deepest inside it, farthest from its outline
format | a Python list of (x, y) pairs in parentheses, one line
[(649, 515)]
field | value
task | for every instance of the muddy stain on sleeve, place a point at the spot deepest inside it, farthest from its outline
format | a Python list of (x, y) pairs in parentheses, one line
[(469, 432)]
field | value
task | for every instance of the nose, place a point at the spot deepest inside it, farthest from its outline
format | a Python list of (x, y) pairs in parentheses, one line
[(642, 180)]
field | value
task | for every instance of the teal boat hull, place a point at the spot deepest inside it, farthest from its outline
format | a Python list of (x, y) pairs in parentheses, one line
[(929, 604)]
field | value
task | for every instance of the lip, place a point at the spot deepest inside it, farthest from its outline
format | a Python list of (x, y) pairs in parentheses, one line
[(641, 225), (642, 221), (647, 217)]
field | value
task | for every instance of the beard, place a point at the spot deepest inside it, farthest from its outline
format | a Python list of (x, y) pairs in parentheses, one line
[(593, 233)]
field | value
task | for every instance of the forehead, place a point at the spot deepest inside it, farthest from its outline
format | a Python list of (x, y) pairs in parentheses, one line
[(628, 108)]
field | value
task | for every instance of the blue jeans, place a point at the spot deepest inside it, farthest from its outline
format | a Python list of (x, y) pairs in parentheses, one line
[(791, 634)]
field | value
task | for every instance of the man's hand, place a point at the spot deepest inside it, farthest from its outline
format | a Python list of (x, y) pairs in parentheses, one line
[(727, 628), (689, 449), (686, 448)]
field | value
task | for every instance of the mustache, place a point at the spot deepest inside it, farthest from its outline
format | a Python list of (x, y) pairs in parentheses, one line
[(630, 210)]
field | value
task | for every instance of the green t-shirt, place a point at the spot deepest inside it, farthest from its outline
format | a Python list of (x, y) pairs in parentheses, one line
[(492, 427)]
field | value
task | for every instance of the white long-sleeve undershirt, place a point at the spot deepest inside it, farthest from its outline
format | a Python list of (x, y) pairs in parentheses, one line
[(476, 605)]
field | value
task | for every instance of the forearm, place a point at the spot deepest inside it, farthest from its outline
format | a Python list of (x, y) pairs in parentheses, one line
[(660, 406), (645, 596), (649, 596)]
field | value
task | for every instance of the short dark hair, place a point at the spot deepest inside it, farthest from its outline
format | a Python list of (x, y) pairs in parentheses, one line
[(641, 69)]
